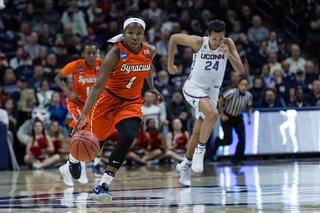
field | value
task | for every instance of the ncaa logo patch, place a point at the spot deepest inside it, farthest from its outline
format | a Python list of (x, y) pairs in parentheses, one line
[(80, 69), (97, 67), (147, 58), (123, 55)]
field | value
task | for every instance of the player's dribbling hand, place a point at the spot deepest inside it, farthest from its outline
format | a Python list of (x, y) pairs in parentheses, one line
[(249, 121), (74, 97), (172, 69), (80, 122), (159, 98), (225, 49), (224, 118)]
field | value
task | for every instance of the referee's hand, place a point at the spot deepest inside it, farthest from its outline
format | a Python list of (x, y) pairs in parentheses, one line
[(224, 118)]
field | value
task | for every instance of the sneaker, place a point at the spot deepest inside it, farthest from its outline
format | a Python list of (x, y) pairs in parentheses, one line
[(75, 170), (36, 166), (197, 160), (97, 171), (66, 175), (185, 172), (101, 193), (83, 177)]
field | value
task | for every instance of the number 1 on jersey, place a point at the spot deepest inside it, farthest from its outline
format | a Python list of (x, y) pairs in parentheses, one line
[(88, 90), (128, 86)]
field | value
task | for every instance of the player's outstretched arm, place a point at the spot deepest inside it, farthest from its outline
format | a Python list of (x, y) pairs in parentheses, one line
[(110, 61), (229, 49), (59, 80), (186, 40)]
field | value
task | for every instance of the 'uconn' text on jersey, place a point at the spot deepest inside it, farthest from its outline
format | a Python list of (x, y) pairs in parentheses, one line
[(212, 56)]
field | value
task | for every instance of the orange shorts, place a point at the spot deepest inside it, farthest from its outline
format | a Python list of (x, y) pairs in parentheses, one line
[(109, 110), (75, 110)]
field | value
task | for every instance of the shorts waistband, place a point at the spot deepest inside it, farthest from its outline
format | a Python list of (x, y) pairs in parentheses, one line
[(125, 99)]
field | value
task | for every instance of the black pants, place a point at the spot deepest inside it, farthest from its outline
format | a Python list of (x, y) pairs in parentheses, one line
[(238, 125)]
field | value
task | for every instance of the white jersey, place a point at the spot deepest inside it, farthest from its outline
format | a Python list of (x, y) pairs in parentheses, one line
[(208, 66)]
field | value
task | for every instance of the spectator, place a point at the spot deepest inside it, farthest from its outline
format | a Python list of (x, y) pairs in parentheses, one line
[(288, 76), (246, 75), (292, 96), (92, 37), (242, 53), (231, 17), (196, 28), (177, 140), (99, 24), (166, 25), (301, 81), (257, 33), (272, 42), (310, 75), (34, 81), (66, 36), (58, 140), (92, 10), (9, 82), (197, 9), (206, 16), (299, 102), (37, 21), (154, 34), (282, 53), (314, 97), (16, 61), (21, 38), (269, 99), (28, 13), (46, 38), (185, 21), (163, 86), (296, 62), (25, 105), (76, 47), (51, 16), (76, 22), (162, 45), (62, 6), (3, 66), (26, 68), (39, 147), (51, 69), (42, 59), (83, 4), (62, 55), (154, 11), (257, 90), (77, 13), (58, 113), (178, 108), (249, 47), (45, 94), (151, 111), (33, 48), (236, 30), (273, 63), (282, 87), (21, 85), (105, 6), (168, 6), (187, 60), (261, 56), (184, 5), (13, 117), (113, 31), (265, 74), (234, 80), (113, 14), (245, 18), (315, 26), (4, 117), (3, 97)]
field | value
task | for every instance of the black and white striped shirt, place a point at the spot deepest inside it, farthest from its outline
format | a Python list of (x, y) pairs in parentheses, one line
[(236, 102)]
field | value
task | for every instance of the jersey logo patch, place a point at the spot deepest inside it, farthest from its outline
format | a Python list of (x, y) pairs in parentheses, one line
[(80, 69), (97, 67), (123, 55), (146, 52), (147, 58), (205, 47)]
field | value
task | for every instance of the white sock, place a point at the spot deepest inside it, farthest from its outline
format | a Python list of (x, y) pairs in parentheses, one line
[(106, 179), (201, 145), (186, 162), (72, 159), (97, 161)]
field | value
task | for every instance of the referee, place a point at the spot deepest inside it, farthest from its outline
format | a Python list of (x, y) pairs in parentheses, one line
[(234, 101)]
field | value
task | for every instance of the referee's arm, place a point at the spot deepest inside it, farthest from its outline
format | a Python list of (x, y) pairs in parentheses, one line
[(249, 111), (221, 102)]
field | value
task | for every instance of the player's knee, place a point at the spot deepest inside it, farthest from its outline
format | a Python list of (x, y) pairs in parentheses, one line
[(213, 115)]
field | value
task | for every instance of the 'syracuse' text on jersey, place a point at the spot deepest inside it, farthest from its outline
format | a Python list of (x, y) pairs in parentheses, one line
[(83, 77), (127, 77), (208, 66)]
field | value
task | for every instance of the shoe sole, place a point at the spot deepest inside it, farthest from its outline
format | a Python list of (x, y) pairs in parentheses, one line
[(184, 185), (195, 170), (97, 175), (85, 182), (60, 170), (107, 198)]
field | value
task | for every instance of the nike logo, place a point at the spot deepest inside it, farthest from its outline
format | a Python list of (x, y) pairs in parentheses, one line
[(115, 161), (125, 59), (96, 190)]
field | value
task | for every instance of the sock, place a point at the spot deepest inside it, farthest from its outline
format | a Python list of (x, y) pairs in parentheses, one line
[(107, 178), (97, 161), (201, 145), (187, 161), (72, 159)]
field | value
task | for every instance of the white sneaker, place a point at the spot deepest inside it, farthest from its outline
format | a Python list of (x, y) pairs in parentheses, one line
[(83, 178), (64, 171), (36, 166), (197, 160), (185, 172)]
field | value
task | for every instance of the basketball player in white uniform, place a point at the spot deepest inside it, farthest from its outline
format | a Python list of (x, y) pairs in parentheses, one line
[(201, 89)]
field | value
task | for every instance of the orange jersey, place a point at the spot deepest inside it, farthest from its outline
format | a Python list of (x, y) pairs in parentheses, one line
[(83, 77), (127, 77)]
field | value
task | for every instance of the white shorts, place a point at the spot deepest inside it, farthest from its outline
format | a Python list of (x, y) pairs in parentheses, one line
[(193, 94)]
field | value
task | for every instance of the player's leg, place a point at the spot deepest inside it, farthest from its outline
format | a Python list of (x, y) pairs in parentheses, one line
[(128, 129), (96, 162), (211, 115)]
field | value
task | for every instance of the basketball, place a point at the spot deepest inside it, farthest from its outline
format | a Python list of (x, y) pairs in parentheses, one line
[(84, 146)]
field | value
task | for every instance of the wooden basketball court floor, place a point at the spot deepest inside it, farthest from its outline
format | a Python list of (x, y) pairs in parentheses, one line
[(277, 186)]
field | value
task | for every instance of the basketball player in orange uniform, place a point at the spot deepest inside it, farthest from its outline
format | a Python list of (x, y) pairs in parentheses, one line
[(116, 96), (84, 74)]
